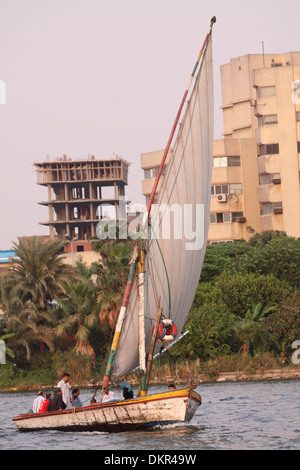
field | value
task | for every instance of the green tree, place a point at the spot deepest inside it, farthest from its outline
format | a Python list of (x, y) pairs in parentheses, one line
[(80, 315), (249, 330), (222, 258), (277, 255), (112, 273), (37, 277), (284, 323), (235, 292), (210, 329)]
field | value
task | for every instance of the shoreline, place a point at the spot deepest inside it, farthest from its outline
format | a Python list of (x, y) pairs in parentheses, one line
[(222, 377)]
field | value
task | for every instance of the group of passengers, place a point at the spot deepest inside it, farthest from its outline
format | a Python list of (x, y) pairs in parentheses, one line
[(60, 399), (63, 399)]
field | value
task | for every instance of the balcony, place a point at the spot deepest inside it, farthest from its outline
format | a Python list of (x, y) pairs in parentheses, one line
[(269, 193), (267, 134), (268, 164), (271, 222)]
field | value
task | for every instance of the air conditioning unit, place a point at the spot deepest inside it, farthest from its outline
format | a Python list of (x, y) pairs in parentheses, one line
[(278, 210), (241, 220), (276, 180), (222, 197)]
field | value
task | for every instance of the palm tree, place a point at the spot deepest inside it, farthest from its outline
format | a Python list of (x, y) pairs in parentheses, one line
[(248, 330), (112, 272), (80, 315), (37, 277)]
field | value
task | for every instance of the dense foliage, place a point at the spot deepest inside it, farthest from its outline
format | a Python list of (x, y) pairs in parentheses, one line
[(247, 302)]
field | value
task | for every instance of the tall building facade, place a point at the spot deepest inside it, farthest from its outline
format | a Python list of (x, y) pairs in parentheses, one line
[(77, 191), (255, 175)]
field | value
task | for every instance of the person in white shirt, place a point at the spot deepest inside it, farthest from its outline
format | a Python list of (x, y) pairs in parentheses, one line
[(38, 401), (108, 395), (66, 390)]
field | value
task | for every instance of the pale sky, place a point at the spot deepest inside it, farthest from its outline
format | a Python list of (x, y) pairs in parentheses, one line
[(105, 78)]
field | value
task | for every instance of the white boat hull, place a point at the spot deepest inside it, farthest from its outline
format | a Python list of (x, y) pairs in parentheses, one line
[(139, 413)]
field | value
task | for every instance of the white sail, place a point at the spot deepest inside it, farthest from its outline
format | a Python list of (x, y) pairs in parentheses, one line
[(173, 265)]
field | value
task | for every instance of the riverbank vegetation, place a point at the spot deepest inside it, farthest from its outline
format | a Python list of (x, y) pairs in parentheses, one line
[(245, 315)]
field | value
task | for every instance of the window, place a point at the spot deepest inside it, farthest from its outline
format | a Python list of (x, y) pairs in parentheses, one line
[(222, 162), (267, 120), (266, 208), (219, 189), (235, 188), (298, 116), (265, 91), (298, 143), (79, 248), (227, 217), (153, 172), (234, 161), (271, 208), (220, 218), (265, 179), (219, 162), (269, 149), (213, 218)]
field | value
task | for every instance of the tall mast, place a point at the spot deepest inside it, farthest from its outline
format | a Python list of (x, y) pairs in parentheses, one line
[(163, 161), (141, 323), (115, 342)]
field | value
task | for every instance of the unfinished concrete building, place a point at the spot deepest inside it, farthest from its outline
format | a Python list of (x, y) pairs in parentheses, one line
[(77, 192)]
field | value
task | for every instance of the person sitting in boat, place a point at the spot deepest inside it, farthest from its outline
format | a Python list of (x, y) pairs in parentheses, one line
[(44, 405), (56, 402), (38, 401), (75, 398), (108, 395), (66, 390), (127, 390), (172, 387)]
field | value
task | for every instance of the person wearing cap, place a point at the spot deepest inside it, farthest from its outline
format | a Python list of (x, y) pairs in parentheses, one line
[(66, 390), (127, 390)]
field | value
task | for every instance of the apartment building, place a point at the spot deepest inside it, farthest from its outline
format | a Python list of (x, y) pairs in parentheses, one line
[(255, 175)]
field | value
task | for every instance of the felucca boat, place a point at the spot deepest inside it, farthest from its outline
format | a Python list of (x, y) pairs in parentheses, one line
[(163, 277)]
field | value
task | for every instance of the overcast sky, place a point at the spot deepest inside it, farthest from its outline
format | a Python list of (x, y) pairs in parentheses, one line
[(105, 78)]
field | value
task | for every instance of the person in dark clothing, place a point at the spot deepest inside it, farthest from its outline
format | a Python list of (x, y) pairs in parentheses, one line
[(56, 402), (127, 393), (127, 390)]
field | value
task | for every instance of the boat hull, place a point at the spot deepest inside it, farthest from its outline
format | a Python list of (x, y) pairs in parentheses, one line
[(139, 413)]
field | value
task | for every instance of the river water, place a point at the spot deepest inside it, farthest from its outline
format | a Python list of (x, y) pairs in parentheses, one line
[(243, 415)]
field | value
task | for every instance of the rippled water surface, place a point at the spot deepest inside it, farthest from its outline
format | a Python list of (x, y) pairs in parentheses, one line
[(248, 415)]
